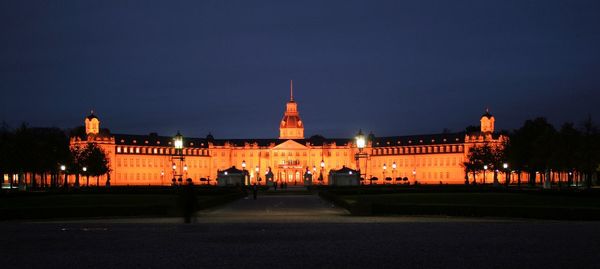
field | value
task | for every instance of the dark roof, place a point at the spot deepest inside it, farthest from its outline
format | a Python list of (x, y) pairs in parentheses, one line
[(386, 141), (345, 170), (189, 142), (91, 116), (156, 140), (266, 142), (487, 114), (291, 121), (232, 170), (416, 140)]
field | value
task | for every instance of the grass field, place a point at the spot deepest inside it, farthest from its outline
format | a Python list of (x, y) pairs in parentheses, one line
[(84, 205), (500, 204)]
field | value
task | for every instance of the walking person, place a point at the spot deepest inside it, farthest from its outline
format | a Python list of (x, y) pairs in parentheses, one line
[(188, 202), (254, 191)]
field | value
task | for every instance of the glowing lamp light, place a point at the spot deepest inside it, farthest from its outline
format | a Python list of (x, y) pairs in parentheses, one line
[(505, 165), (63, 168), (162, 173), (384, 167), (414, 172), (244, 164), (84, 169), (225, 172), (394, 165), (256, 169), (485, 167), (322, 163), (185, 167), (174, 166), (350, 172), (360, 140), (314, 168), (178, 141)]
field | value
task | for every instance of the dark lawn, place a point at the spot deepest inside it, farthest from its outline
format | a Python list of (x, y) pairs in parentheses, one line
[(78, 205), (478, 199), (473, 204)]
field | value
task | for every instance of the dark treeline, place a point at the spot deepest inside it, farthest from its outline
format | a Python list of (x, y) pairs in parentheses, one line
[(541, 150), (541, 153), (32, 157)]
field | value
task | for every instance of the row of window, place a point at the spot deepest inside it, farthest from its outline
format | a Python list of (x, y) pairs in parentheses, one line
[(417, 150), (417, 162), (419, 176), (152, 162), (154, 177), (168, 151)]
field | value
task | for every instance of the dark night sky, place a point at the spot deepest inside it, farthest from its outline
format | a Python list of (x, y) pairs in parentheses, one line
[(393, 67)]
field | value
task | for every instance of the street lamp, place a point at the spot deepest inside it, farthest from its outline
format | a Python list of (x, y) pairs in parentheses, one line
[(414, 172), (178, 141), (321, 175), (63, 168), (246, 178), (394, 170), (178, 144), (506, 173), (485, 168), (360, 141), (87, 176), (256, 169)]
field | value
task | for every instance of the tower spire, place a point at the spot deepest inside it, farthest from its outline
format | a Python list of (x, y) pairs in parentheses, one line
[(291, 90)]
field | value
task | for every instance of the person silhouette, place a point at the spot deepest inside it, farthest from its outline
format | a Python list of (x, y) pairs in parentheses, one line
[(188, 202)]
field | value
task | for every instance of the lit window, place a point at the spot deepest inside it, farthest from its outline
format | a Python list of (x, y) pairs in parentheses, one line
[(119, 149)]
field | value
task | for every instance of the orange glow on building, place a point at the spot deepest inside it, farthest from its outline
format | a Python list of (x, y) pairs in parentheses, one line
[(428, 159)]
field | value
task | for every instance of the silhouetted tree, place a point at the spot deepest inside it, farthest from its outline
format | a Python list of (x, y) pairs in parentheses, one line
[(564, 157), (30, 152), (528, 148), (96, 161), (589, 151)]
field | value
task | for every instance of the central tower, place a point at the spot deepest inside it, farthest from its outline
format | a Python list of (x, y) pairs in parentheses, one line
[(291, 127)]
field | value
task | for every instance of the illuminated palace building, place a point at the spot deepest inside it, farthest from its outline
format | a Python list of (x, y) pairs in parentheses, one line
[(154, 160)]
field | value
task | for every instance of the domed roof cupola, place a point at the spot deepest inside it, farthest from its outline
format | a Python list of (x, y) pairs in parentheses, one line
[(92, 124), (487, 122), (291, 126)]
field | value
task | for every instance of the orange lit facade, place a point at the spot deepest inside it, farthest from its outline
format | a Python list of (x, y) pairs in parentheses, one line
[(151, 159)]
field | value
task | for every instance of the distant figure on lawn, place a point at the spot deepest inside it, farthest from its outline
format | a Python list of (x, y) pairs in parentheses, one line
[(187, 201), (254, 191)]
